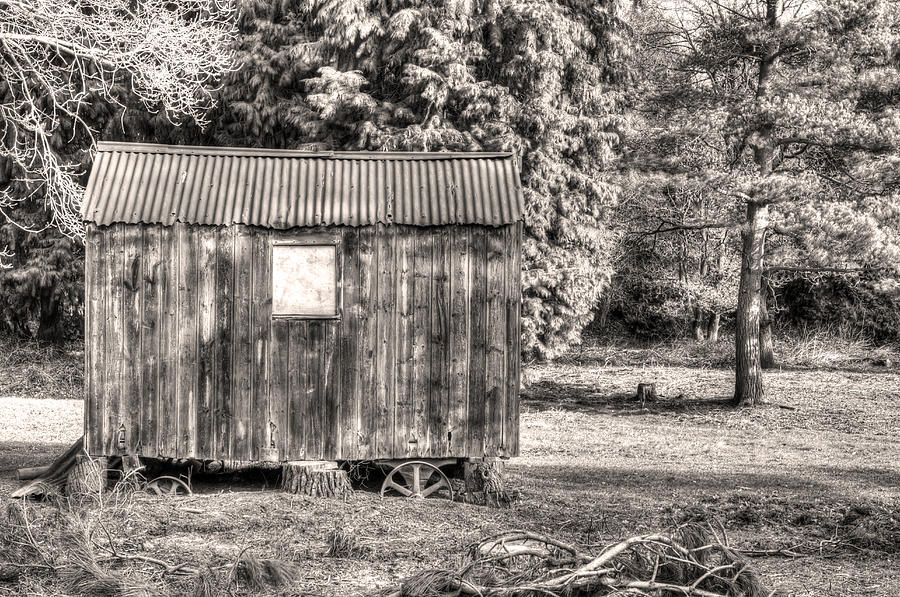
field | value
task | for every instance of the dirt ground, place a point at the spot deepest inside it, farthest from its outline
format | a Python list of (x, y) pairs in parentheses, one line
[(817, 469)]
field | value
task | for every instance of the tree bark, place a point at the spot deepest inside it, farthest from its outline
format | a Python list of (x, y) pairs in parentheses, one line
[(748, 383), (766, 343), (50, 328), (603, 315), (484, 482), (697, 325), (712, 328), (748, 386), (316, 479)]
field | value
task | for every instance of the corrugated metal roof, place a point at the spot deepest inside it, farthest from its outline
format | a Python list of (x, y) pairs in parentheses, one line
[(162, 184)]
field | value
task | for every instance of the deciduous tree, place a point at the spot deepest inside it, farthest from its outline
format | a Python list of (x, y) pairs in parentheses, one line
[(60, 58), (802, 99)]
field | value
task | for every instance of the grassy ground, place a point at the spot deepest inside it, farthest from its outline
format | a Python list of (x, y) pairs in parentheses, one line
[(817, 469), (33, 370)]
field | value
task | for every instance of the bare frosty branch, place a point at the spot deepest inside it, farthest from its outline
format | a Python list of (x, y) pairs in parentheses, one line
[(57, 56)]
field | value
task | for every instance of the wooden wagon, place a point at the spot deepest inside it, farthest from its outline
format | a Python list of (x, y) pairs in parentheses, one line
[(264, 305)]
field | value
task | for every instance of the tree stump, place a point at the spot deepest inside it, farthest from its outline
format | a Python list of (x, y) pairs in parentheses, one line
[(87, 478), (315, 478), (646, 392), (484, 484)]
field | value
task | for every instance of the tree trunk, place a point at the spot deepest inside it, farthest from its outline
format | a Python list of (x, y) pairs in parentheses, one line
[(315, 478), (603, 315), (748, 387), (766, 344), (712, 328), (748, 383), (50, 328), (484, 482), (697, 325)]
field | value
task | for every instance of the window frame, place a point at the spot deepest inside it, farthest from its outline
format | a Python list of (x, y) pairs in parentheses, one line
[(312, 241)]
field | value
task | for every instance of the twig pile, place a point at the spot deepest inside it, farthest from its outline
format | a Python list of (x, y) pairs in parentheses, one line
[(518, 563), (80, 544)]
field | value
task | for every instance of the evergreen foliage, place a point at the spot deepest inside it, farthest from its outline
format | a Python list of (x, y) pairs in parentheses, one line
[(41, 293), (857, 304), (537, 78)]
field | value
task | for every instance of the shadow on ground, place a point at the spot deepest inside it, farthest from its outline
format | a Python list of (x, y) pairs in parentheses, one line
[(578, 397)]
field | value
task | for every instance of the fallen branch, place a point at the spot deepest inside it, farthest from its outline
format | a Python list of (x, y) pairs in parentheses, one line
[(785, 553), (55, 475), (689, 563)]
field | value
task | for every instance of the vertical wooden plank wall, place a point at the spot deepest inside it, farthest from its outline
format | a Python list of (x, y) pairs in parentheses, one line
[(112, 348), (241, 348), (385, 341), (223, 398), (167, 398), (366, 424), (149, 340), (404, 400), (439, 402), (182, 348), (457, 410), (94, 338)]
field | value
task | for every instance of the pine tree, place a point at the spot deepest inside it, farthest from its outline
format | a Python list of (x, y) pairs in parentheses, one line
[(802, 100), (538, 78)]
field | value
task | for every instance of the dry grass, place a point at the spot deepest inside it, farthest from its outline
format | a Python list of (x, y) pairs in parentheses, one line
[(820, 348), (819, 479), (30, 369), (343, 543)]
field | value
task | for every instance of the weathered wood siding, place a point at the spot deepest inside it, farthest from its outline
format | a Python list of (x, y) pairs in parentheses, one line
[(183, 354)]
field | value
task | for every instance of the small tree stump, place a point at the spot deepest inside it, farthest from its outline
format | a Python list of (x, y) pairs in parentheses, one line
[(484, 483), (646, 392), (315, 478), (87, 479)]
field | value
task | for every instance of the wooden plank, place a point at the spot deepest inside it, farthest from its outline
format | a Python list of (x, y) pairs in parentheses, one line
[(315, 356), (439, 397), (477, 336), (495, 347), (114, 335), (260, 331), (423, 272), (513, 337), (188, 330), (349, 352), (206, 349), (150, 339), (95, 289), (132, 282), (331, 391), (367, 422), (405, 438), (87, 384), (385, 338), (298, 396), (167, 413), (460, 248), (223, 402), (279, 384), (240, 444)]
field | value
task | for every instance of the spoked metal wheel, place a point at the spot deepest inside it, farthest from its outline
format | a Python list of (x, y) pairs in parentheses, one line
[(417, 479), (168, 487)]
